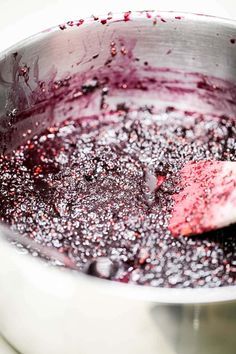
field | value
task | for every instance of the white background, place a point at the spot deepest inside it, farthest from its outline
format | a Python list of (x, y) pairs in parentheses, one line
[(21, 18)]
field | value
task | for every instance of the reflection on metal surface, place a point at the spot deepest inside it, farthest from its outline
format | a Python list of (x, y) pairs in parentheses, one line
[(198, 329), (6, 347)]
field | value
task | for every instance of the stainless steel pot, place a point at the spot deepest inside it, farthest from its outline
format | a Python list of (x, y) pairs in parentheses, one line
[(49, 310)]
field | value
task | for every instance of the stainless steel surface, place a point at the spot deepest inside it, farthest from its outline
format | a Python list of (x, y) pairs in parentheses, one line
[(46, 310), (200, 328), (6, 348)]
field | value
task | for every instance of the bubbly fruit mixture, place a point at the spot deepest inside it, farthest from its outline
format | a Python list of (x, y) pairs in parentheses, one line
[(100, 191)]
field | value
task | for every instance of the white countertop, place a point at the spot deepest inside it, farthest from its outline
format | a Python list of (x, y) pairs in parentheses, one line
[(21, 18)]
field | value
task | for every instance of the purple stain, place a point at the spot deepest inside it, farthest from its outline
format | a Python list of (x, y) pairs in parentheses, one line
[(148, 15), (80, 22), (154, 21), (70, 23), (127, 16), (109, 16), (62, 27)]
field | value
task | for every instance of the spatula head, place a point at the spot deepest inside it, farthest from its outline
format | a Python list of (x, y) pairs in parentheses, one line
[(207, 199)]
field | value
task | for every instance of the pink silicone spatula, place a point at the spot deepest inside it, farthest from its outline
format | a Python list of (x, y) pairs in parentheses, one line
[(207, 198)]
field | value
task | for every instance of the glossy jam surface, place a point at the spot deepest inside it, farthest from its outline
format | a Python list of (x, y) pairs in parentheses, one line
[(100, 191)]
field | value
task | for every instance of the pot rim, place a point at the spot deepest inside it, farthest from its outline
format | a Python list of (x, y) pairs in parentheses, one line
[(119, 16)]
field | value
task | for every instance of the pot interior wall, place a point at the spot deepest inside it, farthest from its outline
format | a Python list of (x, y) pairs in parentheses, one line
[(141, 61)]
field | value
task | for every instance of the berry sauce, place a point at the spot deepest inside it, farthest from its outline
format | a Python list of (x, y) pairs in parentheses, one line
[(100, 191)]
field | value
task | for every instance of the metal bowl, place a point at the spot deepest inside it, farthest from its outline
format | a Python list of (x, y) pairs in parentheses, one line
[(50, 310)]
